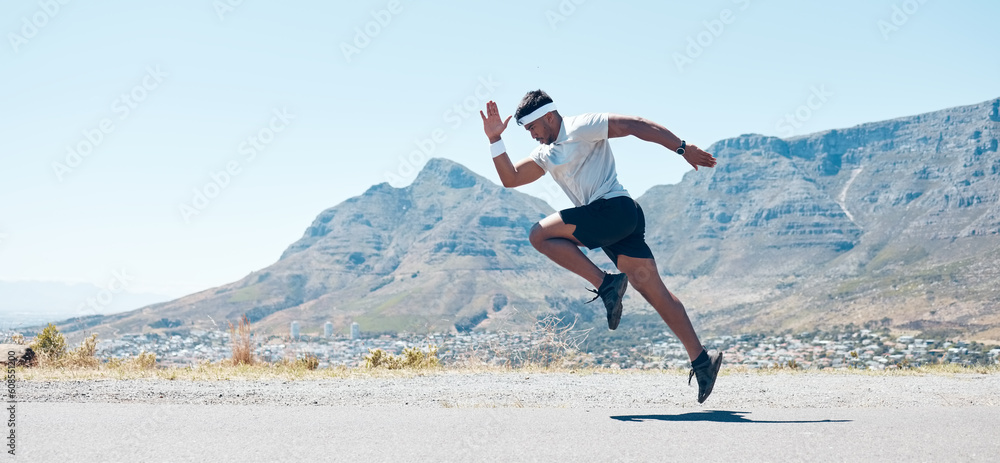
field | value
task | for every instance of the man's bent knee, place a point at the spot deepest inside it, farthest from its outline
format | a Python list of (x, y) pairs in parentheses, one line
[(536, 236), (539, 235)]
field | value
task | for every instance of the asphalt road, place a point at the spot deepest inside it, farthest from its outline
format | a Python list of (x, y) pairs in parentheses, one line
[(140, 432), (513, 416)]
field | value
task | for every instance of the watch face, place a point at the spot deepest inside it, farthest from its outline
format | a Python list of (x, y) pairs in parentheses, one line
[(680, 150)]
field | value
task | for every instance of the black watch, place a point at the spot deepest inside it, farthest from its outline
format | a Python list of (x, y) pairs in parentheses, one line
[(681, 150)]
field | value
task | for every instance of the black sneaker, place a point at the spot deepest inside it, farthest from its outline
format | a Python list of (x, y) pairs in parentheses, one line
[(706, 375), (611, 291)]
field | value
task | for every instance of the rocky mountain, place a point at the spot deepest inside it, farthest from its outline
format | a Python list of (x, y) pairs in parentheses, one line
[(447, 252), (893, 223)]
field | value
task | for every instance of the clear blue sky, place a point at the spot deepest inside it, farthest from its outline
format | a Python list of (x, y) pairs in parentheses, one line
[(200, 79)]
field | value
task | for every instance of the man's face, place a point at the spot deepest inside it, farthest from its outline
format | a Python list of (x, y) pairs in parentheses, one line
[(541, 129)]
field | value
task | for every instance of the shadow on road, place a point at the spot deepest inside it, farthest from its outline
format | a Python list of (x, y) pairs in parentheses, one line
[(718, 416)]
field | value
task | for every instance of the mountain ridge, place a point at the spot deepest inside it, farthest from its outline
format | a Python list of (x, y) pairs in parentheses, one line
[(856, 212), (892, 222)]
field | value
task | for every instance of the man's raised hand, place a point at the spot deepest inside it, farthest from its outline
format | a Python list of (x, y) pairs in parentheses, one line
[(492, 123), (696, 157)]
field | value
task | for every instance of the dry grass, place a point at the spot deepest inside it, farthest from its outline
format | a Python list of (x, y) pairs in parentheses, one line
[(308, 362), (554, 352), (299, 371), (242, 342), (81, 357), (142, 362), (554, 345)]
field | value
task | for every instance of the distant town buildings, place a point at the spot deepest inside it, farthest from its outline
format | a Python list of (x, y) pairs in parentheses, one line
[(328, 330), (294, 330), (862, 350)]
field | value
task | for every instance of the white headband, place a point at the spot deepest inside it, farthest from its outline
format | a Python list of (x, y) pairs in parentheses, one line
[(537, 114)]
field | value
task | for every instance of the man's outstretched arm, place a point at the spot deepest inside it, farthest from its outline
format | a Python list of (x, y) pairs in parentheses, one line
[(623, 126), (526, 170)]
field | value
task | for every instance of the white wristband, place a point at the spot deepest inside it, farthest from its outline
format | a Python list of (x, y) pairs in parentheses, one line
[(497, 148)]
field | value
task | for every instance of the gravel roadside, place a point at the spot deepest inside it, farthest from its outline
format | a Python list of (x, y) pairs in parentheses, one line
[(541, 390)]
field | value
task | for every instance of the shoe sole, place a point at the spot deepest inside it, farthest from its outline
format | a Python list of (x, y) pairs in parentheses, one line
[(616, 315), (715, 375)]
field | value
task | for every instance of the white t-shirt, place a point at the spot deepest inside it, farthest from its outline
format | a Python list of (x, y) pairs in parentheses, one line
[(580, 159)]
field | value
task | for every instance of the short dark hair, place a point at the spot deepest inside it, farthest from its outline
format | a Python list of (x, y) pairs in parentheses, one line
[(532, 100)]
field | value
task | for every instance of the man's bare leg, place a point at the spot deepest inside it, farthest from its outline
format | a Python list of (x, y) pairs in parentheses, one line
[(554, 238), (643, 276)]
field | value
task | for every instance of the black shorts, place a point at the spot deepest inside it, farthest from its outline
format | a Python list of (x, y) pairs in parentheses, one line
[(615, 225)]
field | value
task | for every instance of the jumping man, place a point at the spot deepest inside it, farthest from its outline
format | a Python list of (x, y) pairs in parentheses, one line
[(577, 153)]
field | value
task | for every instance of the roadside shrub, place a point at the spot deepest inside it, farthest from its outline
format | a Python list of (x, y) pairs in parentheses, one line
[(378, 358), (83, 356), (553, 343), (418, 359), (789, 365), (50, 344), (309, 362), (903, 364), (145, 360), (412, 358), (557, 344)]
